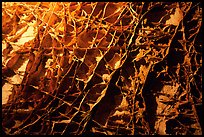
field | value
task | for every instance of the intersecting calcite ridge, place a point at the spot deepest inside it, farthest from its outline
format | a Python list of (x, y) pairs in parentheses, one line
[(112, 68)]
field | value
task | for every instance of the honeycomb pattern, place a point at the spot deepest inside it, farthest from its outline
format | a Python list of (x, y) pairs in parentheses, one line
[(114, 68)]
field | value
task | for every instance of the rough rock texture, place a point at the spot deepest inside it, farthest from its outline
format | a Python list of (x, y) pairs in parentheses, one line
[(129, 68)]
